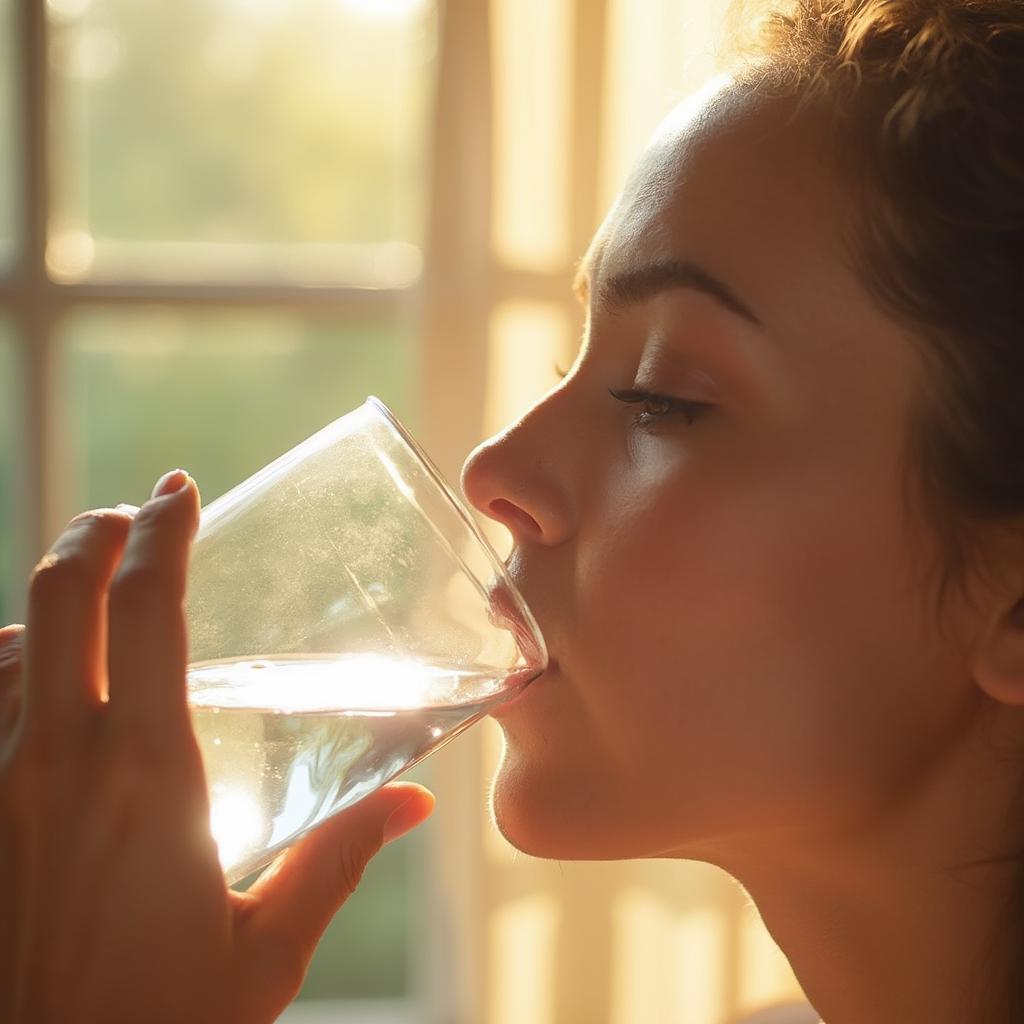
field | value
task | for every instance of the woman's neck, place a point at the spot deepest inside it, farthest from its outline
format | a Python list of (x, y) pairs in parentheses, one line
[(905, 917)]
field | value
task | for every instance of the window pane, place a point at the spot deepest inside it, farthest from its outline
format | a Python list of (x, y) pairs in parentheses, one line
[(8, 147), (222, 393), (11, 569), (278, 136)]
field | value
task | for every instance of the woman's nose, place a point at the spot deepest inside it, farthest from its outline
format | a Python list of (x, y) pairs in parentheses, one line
[(519, 489)]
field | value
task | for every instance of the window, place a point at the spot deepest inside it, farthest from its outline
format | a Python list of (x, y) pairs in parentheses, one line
[(239, 139), (221, 391), (223, 223)]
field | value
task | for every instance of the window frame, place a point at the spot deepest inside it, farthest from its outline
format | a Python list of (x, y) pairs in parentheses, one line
[(35, 302)]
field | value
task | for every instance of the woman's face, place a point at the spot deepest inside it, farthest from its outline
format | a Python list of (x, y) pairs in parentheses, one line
[(732, 601)]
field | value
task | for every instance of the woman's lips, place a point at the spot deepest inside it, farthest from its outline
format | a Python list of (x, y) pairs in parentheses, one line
[(522, 692), (504, 613)]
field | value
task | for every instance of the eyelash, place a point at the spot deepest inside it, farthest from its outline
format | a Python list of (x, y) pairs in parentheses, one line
[(691, 411)]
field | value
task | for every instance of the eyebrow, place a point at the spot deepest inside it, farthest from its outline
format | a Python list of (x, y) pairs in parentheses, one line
[(634, 286)]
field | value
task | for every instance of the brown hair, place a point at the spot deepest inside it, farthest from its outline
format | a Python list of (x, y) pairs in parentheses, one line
[(926, 98)]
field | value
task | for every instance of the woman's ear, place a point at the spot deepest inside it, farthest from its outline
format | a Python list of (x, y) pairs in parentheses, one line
[(998, 661)]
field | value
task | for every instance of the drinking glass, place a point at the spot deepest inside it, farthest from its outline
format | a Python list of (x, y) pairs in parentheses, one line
[(346, 617)]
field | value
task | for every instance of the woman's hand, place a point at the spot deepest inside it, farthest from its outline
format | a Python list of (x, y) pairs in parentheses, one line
[(113, 907)]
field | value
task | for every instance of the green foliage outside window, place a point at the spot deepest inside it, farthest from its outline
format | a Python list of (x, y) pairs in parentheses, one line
[(218, 392), (238, 121)]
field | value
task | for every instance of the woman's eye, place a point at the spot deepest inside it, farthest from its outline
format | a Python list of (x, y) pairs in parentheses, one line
[(657, 407)]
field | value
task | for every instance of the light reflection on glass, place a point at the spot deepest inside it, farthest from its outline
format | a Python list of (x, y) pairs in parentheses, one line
[(235, 822), (323, 684)]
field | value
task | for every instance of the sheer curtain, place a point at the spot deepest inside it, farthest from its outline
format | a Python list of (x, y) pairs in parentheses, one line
[(543, 105)]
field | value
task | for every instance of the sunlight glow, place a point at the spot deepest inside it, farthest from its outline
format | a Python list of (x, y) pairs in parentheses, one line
[(658, 54), (532, 132), (235, 822), (522, 951), (345, 682), (70, 255), (526, 339), (384, 10), (698, 948), (765, 976), (654, 945), (67, 10)]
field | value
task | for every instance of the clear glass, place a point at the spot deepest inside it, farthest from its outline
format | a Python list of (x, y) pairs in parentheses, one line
[(241, 139), (8, 134), (346, 618)]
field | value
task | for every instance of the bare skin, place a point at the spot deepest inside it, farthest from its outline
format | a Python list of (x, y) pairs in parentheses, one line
[(114, 905), (736, 596)]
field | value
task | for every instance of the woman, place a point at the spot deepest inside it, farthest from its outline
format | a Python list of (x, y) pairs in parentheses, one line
[(771, 524)]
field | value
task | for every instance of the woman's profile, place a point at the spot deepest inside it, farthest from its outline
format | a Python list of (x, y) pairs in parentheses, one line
[(770, 522)]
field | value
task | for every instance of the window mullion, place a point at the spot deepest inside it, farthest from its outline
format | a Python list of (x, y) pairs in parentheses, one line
[(31, 300), (136, 293), (458, 286)]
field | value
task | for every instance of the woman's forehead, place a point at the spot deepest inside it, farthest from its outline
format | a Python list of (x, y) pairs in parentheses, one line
[(732, 183), (724, 159)]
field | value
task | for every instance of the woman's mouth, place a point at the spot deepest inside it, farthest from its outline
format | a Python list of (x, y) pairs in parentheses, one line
[(523, 691), (504, 613)]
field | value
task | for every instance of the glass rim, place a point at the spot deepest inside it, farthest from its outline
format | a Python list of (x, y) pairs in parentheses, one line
[(374, 404)]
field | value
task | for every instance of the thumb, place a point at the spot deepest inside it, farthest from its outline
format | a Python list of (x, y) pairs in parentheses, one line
[(294, 901)]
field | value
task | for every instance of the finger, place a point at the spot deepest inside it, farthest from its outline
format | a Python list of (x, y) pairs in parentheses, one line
[(146, 618), (11, 642), (65, 636), (297, 898), (11, 634), (12, 639)]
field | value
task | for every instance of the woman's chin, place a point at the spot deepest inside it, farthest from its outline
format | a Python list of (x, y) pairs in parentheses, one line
[(529, 835), (526, 814), (549, 817), (555, 812)]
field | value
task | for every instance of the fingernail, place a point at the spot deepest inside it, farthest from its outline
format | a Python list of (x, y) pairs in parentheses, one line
[(170, 482), (405, 817), (125, 507)]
